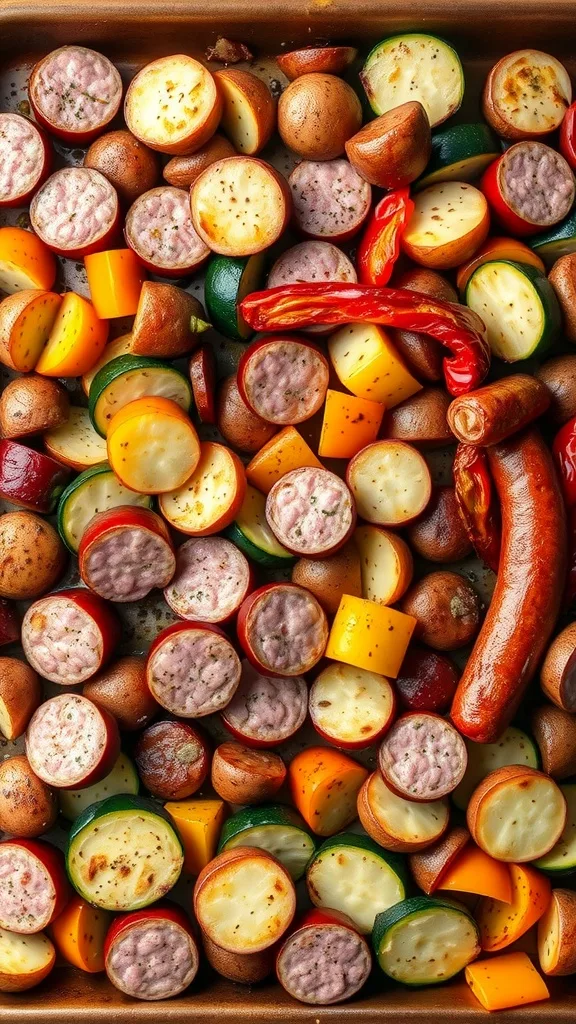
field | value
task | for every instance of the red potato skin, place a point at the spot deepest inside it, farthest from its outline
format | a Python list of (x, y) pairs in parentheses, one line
[(53, 861), (29, 478), (125, 516), (528, 591), (255, 347), (202, 373), (500, 409), (47, 160), (242, 627), (9, 623)]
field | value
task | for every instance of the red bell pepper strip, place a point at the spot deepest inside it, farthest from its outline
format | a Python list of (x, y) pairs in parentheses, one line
[(293, 306), (568, 136), (564, 450), (379, 246), (477, 502)]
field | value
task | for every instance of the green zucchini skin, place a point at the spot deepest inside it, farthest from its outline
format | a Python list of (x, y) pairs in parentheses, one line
[(74, 486), (117, 368), (228, 280), (120, 802), (269, 818), (434, 42), (124, 771), (460, 153), (561, 859), (557, 241)]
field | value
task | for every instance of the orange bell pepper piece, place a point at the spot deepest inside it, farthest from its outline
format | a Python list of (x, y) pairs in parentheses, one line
[(115, 279), (284, 452), (76, 340), (79, 932), (476, 872), (369, 635), (349, 424), (324, 785), (502, 982), (502, 923)]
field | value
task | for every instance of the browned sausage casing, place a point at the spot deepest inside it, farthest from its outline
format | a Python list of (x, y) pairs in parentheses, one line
[(495, 412), (528, 590)]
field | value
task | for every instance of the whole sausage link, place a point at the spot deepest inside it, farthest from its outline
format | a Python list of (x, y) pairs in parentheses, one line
[(528, 590), (493, 413)]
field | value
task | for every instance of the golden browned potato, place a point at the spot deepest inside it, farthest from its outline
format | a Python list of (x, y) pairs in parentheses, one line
[(329, 578), (127, 163), (249, 109), (239, 426), (317, 114), (447, 610), (32, 556), (333, 60), (29, 405), (439, 534), (182, 171), (167, 323), (392, 150), (28, 807), (420, 420), (122, 690), (244, 968), (20, 695), (244, 776)]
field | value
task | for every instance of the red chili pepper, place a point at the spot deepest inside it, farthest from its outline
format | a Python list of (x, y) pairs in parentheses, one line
[(568, 136), (294, 306), (477, 502), (379, 246), (564, 450)]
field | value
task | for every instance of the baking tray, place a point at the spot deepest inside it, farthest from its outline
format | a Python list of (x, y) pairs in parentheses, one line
[(131, 32)]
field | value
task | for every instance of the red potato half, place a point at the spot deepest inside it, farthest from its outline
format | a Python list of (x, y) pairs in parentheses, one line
[(76, 212), (283, 379), (516, 814), (350, 707), (151, 954), (182, 171), (240, 205), (75, 93), (20, 695), (243, 776), (331, 201), (173, 105), (192, 669), (159, 229), (33, 885), (244, 900), (266, 711), (317, 114), (249, 109), (173, 759), (71, 743), (526, 95), (333, 60), (400, 825), (450, 221), (126, 552), (557, 934), (282, 629), (29, 478), (311, 512), (244, 968), (423, 757), (324, 960), (25, 159), (69, 636), (28, 807), (386, 564), (404, 483), (211, 580), (25, 960), (202, 373), (210, 499)]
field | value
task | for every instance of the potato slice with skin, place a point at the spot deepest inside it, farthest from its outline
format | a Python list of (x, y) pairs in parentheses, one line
[(117, 347), (26, 320), (76, 339), (29, 405), (450, 221), (502, 923), (544, 84), (25, 960), (386, 564), (240, 205), (187, 96), (152, 446), (398, 824), (249, 113), (431, 864), (391, 483), (516, 814), (76, 443), (210, 497), (557, 934)]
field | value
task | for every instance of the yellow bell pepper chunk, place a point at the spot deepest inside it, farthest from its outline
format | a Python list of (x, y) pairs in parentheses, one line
[(367, 363), (506, 981), (369, 635), (349, 424), (199, 823), (284, 452)]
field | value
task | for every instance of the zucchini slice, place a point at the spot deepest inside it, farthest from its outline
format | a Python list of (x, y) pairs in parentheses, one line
[(122, 779), (424, 940), (76, 443), (250, 532), (561, 859), (513, 747), (278, 830), (351, 873), (95, 490), (414, 66), (518, 306), (127, 378), (117, 347), (123, 853), (460, 153), (557, 241), (228, 280)]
